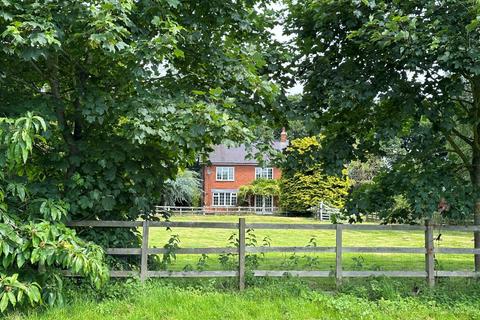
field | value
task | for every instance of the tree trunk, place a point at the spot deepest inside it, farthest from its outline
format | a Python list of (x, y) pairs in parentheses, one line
[(477, 234), (71, 132), (475, 169), (475, 178)]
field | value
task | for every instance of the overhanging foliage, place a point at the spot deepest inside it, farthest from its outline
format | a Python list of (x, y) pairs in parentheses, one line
[(131, 92)]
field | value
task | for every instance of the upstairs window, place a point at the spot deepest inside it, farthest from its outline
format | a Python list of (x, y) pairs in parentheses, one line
[(265, 173), (225, 173)]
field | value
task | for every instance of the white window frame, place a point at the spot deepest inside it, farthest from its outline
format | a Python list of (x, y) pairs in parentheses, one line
[(224, 199), (268, 199), (219, 173), (260, 203), (264, 173)]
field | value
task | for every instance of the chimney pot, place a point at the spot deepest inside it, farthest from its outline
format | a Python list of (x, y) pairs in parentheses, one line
[(283, 135)]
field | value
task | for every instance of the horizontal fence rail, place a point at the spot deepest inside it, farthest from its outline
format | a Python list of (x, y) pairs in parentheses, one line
[(216, 210), (324, 212), (241, 250)]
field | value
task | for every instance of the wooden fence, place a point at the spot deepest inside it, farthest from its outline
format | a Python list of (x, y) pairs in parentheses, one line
[(216, 210), (324, 212), (428, 250)]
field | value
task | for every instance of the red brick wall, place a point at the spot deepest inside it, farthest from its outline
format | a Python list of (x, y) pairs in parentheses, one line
[(244, 174)]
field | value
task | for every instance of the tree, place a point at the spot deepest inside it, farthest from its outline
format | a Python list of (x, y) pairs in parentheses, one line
[(364, 172), (408, 70), (305, 190), (184, 189), (304, 183), (131, 92)]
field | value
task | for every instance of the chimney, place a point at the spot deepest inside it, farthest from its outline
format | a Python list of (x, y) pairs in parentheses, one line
[(283, 135)]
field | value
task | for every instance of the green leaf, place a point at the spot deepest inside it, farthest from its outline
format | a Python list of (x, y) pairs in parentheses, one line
[(179, 53), (20, 260), (19, 296), (173, 3), (12, 298), (108, 203), (34, 293), (3, 302), (216, 91)]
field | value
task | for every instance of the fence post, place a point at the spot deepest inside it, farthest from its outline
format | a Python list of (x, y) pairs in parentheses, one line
[(241, 254), (429, 255), (338, 254), (144, 257)]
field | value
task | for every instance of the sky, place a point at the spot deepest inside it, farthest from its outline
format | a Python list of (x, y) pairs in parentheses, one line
[(281, 37)]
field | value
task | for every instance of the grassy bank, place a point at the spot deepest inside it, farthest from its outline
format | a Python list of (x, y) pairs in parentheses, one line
[(287, 299)]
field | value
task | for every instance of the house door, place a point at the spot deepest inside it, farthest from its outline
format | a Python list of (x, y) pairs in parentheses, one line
[(263, 204)]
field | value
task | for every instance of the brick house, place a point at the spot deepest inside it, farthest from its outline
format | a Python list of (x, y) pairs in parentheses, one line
[(229, 169)]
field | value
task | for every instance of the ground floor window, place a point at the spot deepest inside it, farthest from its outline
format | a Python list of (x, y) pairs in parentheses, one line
[(263, 202), (224, 198)]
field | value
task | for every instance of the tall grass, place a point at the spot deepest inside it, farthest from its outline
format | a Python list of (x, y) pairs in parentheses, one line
[(270, 299)]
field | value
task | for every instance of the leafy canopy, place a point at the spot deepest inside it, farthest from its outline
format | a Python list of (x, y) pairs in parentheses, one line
[(379, 73), (130, 92), (134, 91)]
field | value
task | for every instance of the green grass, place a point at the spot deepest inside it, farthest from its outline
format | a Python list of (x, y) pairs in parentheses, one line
[(195, 237), (286, 299)]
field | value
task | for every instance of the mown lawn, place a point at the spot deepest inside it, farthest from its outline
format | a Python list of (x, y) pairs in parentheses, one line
[(157, 300), (195, 237)]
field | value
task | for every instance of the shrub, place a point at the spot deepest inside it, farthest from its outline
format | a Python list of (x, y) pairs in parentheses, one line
[(34, 242), (184, 189), (304, 183)]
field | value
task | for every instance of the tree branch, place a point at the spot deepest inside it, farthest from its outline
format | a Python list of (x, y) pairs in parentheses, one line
[(36, 68), (462, 101), (60, 107), (468, 140), (458, 151), (465, 105), (31, 85)]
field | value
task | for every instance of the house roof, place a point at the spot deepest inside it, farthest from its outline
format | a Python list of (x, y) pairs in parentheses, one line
[(222, 154)]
